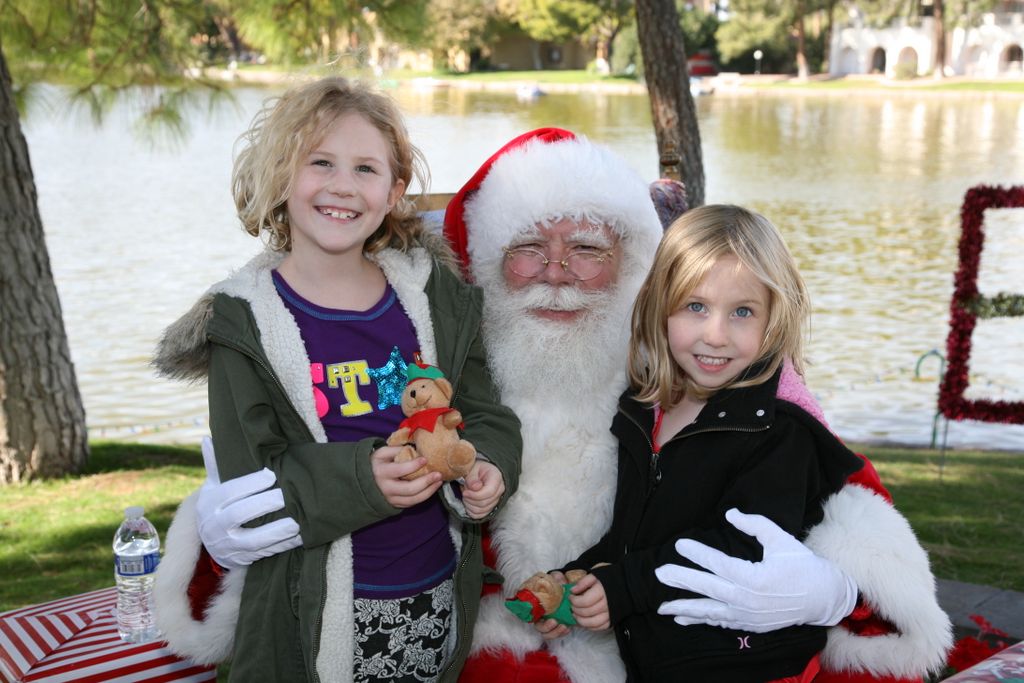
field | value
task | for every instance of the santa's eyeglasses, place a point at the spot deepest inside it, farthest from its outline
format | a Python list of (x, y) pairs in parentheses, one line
[(581, 264)]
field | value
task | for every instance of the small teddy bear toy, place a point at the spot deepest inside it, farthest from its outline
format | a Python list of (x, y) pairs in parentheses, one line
[(429, 427), (542, 597)]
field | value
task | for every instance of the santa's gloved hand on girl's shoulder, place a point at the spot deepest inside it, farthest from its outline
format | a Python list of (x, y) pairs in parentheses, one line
[(789, 586)]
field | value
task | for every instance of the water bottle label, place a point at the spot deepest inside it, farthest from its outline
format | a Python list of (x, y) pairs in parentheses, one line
[(136, 566)]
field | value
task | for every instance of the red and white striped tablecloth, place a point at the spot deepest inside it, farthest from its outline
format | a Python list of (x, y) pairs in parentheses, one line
[(75, 639)]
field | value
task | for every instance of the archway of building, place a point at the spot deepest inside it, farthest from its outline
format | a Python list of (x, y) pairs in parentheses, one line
[(878, 61), (1011, 59), (906, 63)]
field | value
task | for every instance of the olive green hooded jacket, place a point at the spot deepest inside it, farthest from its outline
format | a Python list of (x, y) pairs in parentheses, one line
[(290, 616)]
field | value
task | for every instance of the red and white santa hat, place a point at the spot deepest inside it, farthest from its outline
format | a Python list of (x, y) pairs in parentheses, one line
[(544, 175)]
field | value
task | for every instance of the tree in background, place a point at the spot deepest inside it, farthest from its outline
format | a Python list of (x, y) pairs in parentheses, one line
[(321, 31), (559, 21), (776, 27), (101, 49), (698, 29), (615, 16), (750, 28), (455, 26), (939, 39), (826, 39), (668, 86), (798, 40)]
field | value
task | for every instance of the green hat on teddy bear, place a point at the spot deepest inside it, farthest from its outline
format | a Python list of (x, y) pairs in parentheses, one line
[(416, 371)]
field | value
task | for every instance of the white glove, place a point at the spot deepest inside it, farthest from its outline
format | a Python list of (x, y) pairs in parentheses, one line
[(789, 586), (222, 509)]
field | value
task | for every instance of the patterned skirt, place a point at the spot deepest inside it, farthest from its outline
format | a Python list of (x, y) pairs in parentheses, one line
[(402, 639)]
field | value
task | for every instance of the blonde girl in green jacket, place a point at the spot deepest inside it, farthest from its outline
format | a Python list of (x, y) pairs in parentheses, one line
[(349, 271)]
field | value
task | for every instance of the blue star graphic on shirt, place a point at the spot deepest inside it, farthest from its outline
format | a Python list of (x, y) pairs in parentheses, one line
[(391, 380)]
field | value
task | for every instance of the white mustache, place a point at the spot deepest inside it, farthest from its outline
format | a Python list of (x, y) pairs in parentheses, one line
[(555, 298)]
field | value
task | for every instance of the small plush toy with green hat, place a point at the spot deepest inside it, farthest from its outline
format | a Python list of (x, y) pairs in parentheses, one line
[(542, 596), (430, 426)]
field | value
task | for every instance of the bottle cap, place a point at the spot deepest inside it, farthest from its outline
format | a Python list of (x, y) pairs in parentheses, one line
[(134, 512)]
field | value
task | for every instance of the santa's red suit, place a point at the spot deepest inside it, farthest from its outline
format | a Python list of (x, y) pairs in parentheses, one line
[(563, 381)]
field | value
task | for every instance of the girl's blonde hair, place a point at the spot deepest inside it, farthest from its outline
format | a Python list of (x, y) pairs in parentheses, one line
[(690, 248), (285, 131)]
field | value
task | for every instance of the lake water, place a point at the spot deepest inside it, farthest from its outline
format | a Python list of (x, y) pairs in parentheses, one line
[(866, 188)]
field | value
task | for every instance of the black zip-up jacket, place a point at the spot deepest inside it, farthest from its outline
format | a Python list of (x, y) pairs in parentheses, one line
[(746, 450)]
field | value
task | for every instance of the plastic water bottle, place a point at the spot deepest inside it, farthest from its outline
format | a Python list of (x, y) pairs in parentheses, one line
[(136, 555)]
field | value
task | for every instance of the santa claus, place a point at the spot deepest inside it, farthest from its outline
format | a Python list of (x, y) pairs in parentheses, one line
[(559, 233), (557, 346), (556, 340)]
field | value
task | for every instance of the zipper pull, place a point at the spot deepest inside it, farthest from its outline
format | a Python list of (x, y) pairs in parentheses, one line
[(654, 474)]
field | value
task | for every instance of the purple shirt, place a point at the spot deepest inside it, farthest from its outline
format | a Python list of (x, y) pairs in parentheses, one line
[(358, 361)]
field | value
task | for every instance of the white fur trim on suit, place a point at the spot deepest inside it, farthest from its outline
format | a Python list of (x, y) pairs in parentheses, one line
[(208, 641), (590, 656), (868, 539), (212, 640), (541, 182)]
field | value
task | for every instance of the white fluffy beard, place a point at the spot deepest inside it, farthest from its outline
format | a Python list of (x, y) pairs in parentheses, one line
[(563, 380), (554, 361)]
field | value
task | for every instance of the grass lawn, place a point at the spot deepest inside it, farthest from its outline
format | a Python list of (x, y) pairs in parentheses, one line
[(560, 76), (56, 535), (967, 516)]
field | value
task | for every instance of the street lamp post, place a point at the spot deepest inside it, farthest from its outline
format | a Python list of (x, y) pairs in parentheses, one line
[(757, 61)]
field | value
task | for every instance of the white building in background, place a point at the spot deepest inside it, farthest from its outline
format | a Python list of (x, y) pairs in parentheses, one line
[(991, 49)]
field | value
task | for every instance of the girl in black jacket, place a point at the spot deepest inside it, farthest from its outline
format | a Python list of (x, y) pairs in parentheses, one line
[(701, 432)]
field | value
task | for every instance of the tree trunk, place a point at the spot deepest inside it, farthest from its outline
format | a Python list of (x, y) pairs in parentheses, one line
[(42, 421), (830, 11), (940, 39), (802, 72), (668, 85), (229, 34), (611, 42)]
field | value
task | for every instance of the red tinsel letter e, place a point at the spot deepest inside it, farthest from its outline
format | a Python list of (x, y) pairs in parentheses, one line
[(968, 305)]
